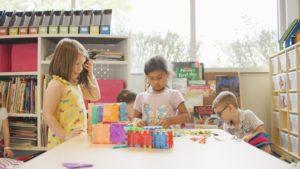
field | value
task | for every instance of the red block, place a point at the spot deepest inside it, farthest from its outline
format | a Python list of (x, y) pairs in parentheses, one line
[(5, 61), (24, 58), (110, 89)]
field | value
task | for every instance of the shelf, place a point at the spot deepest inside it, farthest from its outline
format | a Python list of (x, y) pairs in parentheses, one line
[(22, 115), (293, 133), (84, 38), (97, 62), (87, 39), (291, 70), (288, 60), (292, 112), (17, 73), (45, 44)]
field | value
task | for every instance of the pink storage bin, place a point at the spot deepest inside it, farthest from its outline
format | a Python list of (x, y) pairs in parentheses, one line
[(24, 58), (5, 61), (110, 89)]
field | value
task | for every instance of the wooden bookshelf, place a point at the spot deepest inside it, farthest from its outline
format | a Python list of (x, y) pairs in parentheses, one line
[(284, 80)]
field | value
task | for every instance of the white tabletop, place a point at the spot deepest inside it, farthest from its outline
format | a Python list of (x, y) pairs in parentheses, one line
[(220, 153)]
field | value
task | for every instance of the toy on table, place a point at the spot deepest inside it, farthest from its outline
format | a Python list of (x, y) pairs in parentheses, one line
[(201, 140), (149, 137), (76, 165)]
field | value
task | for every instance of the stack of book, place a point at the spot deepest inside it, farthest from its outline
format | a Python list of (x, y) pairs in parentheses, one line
[(23, 132)]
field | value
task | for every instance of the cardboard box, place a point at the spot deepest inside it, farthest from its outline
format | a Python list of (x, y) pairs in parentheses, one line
[(36, 22), (6, 22), (106, 21), (105, 29), (75, 22), (95, 30), (17, 20), (27, 19), (74, 29), (63, 30), (96, 22), (65, 23), (85, 22), (43, 27), (55, 22)]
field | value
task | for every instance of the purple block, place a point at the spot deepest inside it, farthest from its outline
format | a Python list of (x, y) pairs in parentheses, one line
[(117, 133)]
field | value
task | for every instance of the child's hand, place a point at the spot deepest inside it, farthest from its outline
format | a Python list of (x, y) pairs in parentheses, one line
[(71, 134), (247, 138), (165, 123), (8, 153), (89, 67), (141, 123)]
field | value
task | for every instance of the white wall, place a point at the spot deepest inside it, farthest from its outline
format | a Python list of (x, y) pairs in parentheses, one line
[(255, 92)]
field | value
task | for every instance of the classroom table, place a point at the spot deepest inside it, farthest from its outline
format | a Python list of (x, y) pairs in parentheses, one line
[(219, 152)]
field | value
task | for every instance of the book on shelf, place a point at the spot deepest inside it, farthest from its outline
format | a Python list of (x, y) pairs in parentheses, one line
[(202, 114), (189, 70), (286, 33), (227, 83), (19, 93), (180, 84), (189, 81), (23, 131)]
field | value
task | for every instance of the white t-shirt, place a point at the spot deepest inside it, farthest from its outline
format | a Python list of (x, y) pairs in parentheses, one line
[(155, 106), (3, 116), (248, 124)]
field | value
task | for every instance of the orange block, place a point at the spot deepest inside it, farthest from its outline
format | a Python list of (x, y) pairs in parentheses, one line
[(101, 134), (111, 112)]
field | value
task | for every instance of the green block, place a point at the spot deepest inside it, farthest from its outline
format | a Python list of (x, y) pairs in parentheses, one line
[(95, 115), (63, 30), (74, 29), (53, 30), (43, 30)]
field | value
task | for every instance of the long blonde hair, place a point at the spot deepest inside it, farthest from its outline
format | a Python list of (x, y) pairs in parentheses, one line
[(64, 58)]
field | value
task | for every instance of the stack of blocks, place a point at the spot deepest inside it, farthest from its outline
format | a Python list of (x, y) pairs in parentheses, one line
[(105, 121), (149, 137), (108, 126)]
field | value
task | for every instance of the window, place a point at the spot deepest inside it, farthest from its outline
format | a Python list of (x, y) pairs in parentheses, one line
[(236, 33), (156, 27), (230, 33)]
